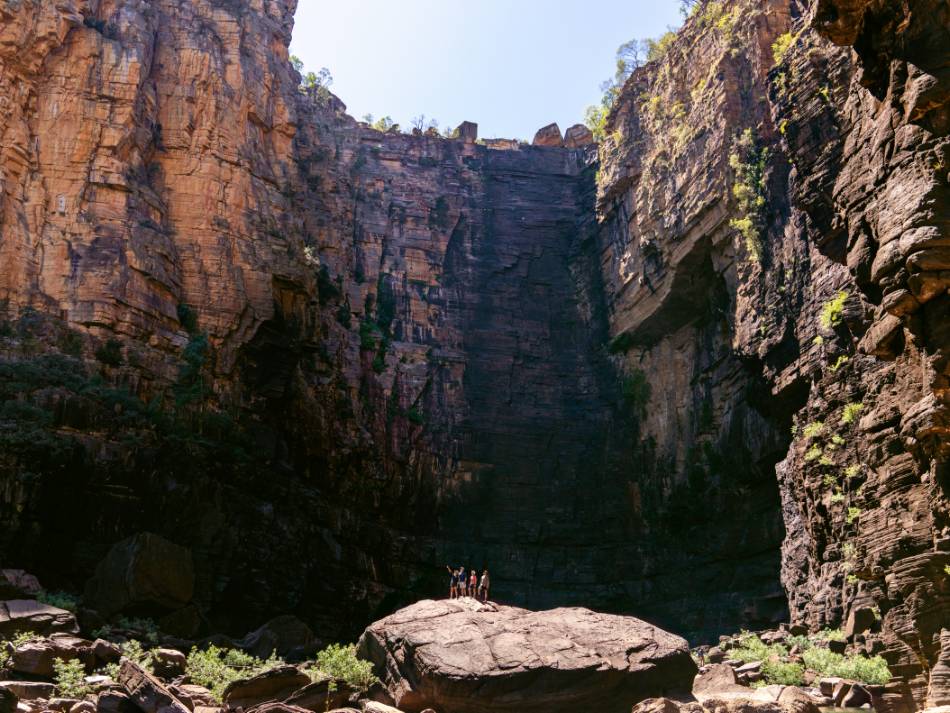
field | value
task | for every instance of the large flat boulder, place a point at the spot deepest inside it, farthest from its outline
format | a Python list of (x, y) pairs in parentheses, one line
[(466, 657), (27, 615)]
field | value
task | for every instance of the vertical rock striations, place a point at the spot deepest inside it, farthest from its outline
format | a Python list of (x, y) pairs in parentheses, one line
[(330, 361)]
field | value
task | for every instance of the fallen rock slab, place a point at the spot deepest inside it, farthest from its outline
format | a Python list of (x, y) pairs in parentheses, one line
[(277, 684), (27, 615), (466, 657), (28, 690), (146, 691), (313, 696)]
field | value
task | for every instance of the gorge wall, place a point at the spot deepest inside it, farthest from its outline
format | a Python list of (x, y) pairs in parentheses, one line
[(331, 361)]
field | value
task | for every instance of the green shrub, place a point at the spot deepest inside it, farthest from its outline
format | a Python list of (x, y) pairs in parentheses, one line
[(946, 570), (133, 650), (657, 49), (853, 515), (851, 412), (60, 600), (751, 648), (340, 662), (813, 453), (4, 655), (214, 668), (812, 429), (832, 310), (839, 362), (781, 46), (749, 164), (70, 678), (852, 470), (859, 668), (636, 390), (784, 673), (621, 343), (110, 353), (147, 627)]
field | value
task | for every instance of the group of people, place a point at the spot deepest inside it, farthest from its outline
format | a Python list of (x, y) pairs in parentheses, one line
[(465, 584)]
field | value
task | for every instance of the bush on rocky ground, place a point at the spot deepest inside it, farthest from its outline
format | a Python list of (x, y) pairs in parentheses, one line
[(340, 662), (70, 678), (811, 654), (214, 667)]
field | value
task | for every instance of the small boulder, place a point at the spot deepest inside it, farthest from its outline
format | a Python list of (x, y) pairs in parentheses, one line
[(18, 584), (841, 691), (578, 136), (715, 655), (145, 569), (115, 702), (29, 690), (313, 696), (719, 678), (797, 630), (827, 685), (753, 667), (146, 691), (856, 697), (277, 684), (36, 657), (795, 700), (656, 705), (374, 707), (168, 663), (105, 651), (837, 647), (549, 135), (83, 707), (199, 695), (283, 634), (19, 615)]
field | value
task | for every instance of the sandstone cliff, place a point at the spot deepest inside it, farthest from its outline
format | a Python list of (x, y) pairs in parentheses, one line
[(330, 361)]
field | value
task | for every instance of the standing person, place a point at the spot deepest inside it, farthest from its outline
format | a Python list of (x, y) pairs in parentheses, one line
[(452, 582), (463, 590), (484, 586), (473, 584)]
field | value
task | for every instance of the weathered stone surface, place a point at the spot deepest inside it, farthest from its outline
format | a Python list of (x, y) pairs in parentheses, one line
[(27, 615), (549, 135), (36, 657), (18, 584), (276, 684), (29, 690), (462, 656), (146, 691), (578, 136), (168, 663), (283, 634), (115, 702), (313, 696), (145, 569), (718, 678)]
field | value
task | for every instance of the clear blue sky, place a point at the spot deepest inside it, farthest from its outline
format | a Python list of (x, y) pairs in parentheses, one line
[(512, 66)]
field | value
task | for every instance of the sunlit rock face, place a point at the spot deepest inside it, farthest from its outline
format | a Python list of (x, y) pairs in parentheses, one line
[(330, 361)]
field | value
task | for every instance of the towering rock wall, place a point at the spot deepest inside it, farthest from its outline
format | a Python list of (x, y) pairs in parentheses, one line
[(824, 228), (331, 361)]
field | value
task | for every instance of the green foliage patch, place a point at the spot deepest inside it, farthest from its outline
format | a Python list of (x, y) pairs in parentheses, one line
[(70, 678), (215, 668), (339, 661)]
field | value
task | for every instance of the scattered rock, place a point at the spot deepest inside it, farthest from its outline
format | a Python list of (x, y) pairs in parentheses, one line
[(146, 691), (18, 615), (715, 655), (18, 584), (283, 634), (550, 135), (719, 678), (656, 705), (115, 702), (314, 695), (83, 707), (856, 697), (827, 685), (468, 657), (277, 684), (374, 707), (35, 657), (105, 651), (841, 691), (145, 569), (29, 690), (753, 667), (169, 663), (578, 136), (795, 700), (200, 695), (277, 707)]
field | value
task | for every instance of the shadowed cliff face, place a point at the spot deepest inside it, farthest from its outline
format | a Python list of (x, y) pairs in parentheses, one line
[(332, 361)]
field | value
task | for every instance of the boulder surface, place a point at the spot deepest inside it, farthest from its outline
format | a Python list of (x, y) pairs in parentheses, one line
[(465, 657)]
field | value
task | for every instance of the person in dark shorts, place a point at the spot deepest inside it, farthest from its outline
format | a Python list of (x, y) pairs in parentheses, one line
[(462, 582), (453, 582)]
